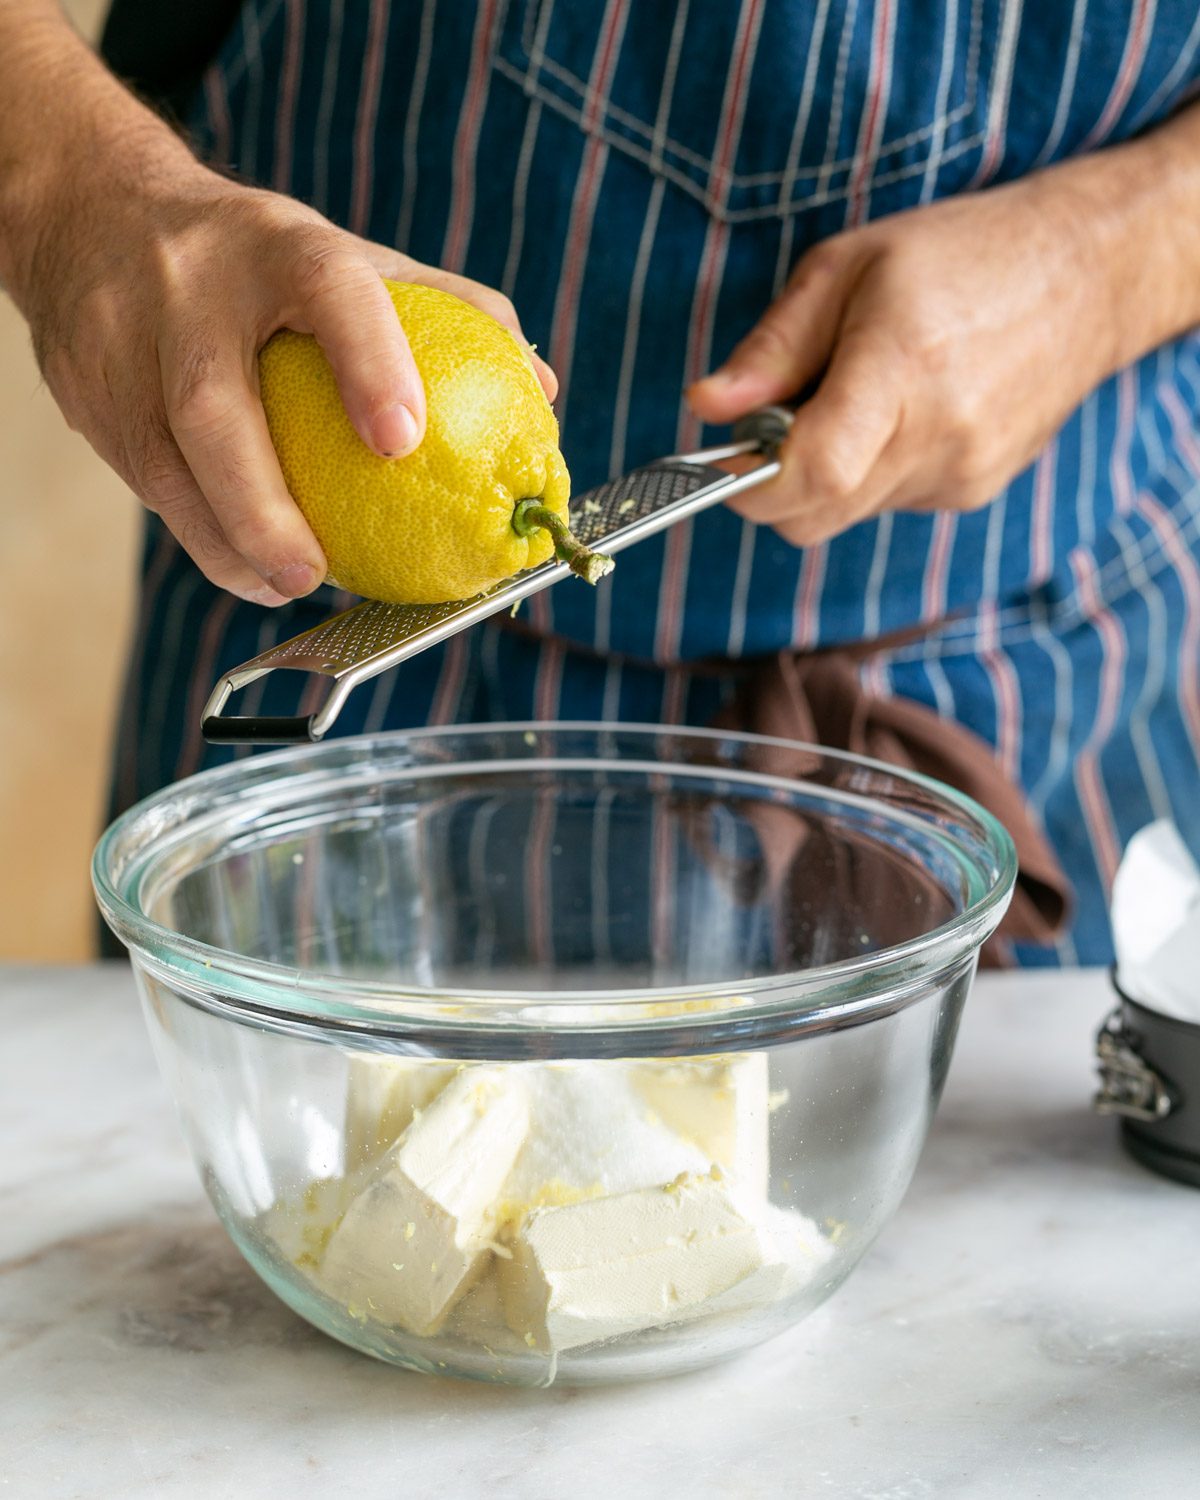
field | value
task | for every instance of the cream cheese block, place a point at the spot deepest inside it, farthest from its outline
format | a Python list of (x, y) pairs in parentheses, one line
[(382, 1095), (719, 1104), (412, 1241), (614, 1265)]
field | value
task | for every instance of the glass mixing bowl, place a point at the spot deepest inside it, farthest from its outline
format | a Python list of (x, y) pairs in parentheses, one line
[(568, 1052)]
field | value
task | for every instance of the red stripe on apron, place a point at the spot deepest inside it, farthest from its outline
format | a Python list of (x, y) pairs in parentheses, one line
[(937, 568), (218, 113), (583, 207), (806, 616), (368, 114), (879, 88), (288, 88), (1127, 74), (547, 685), (466, 141), (447, 696)]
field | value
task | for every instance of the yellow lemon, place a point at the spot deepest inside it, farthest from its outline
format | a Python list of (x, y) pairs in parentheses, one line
[(447, 521)]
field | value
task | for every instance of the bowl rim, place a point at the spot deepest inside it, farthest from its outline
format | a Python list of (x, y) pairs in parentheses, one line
[(853, 987)]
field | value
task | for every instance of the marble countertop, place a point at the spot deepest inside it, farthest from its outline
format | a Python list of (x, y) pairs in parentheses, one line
[(1028, 1325)]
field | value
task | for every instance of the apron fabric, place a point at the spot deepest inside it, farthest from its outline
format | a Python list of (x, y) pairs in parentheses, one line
[(639, 178)]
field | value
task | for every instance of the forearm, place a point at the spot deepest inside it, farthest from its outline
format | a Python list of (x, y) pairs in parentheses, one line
[(65, 120), (1133, 212)]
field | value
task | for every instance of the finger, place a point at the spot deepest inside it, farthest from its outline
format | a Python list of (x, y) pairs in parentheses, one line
[(500, 307), (341, 299), (159, 477), (544, 372), (217, 421), (786, 349), (841, 459), (401, 267), (153, 467), (189, 518)]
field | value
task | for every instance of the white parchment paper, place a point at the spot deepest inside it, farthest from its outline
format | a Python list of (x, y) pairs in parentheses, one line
[(1156, 922)]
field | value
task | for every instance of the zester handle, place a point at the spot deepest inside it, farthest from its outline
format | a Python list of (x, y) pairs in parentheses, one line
[(258, 729)]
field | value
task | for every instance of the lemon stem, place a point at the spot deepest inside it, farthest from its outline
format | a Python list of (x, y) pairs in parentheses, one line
[(530, 515)]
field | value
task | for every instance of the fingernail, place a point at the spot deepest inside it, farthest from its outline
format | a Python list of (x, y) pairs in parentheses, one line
[(722, 377), (265, 596), (295, 580), (548, 378), (394, 431)]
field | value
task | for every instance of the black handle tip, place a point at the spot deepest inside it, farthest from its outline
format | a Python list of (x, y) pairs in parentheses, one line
[(249, 729)]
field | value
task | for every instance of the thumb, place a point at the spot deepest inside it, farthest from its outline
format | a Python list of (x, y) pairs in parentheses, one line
[(787, 349)]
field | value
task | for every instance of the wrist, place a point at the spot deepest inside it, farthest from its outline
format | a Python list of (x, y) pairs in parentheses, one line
[(1130, 211), (56, 161)]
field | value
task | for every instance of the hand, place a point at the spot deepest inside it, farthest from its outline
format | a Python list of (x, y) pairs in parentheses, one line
[(151, 286), (948, 344)]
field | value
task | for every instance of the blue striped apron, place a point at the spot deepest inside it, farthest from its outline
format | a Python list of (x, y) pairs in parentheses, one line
[(639, 177)]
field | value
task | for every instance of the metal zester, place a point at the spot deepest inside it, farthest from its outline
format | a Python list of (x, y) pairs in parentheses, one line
[(360, 643)]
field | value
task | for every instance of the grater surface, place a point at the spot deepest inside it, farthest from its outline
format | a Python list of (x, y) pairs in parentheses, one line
[(372, 637), (357, 635), (598, 517)]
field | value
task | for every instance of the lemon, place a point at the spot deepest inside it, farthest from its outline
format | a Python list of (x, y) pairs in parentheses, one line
[(483, 496)]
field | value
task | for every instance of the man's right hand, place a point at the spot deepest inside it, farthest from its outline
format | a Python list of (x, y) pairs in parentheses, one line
[(150, 283)]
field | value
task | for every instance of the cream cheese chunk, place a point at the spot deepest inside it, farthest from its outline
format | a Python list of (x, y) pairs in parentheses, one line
[(719, 1104), (382, 1095), (613, 1265), (413, 1240)]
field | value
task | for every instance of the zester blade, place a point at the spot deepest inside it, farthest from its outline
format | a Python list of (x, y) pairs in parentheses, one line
[(372, 637)]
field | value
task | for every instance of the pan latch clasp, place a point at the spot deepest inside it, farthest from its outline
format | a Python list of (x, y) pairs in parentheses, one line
[(1129, 1086)]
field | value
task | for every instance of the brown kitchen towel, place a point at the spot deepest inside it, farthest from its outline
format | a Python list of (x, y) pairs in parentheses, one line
[(819, 699)]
